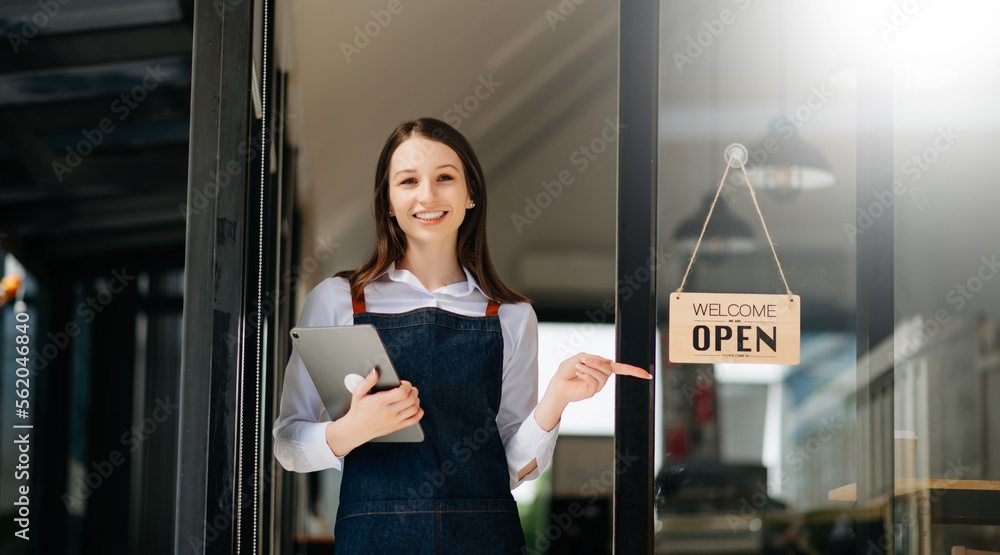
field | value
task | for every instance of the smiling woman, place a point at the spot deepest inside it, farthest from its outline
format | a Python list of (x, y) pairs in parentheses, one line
[(466, 349), (426, 165), (427, 193)]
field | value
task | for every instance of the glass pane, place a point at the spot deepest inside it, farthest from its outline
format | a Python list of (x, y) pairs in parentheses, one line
[(748, 454), (24, 19), (889, 102), (947, 304)]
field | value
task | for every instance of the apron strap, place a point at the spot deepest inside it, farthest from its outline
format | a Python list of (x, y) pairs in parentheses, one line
[(359, 306), (492, 308)]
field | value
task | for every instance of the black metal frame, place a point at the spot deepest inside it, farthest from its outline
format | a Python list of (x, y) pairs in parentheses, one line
[(635, 315), (279, 516), (225, 500), (214, 309), (262, 240)]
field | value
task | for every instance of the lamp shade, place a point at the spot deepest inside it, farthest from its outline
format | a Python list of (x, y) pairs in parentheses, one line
[(725, 234), (780, 163)]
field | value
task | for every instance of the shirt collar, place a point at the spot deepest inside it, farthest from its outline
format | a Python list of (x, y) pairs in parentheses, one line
[(460, 289)]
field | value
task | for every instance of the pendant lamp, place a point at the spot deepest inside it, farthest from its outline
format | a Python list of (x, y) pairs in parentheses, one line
[(725, 234), (784, 162)]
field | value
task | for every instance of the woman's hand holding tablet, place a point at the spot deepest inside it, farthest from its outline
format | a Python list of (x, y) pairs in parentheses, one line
[(373, 414)]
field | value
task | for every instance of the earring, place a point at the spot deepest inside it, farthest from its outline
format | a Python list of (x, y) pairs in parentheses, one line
[(390, 213), (472, 204)]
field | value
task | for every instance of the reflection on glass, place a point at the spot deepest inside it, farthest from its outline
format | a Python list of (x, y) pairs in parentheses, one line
[(750, 453), (768, 459), (751, 450), (945, 362)]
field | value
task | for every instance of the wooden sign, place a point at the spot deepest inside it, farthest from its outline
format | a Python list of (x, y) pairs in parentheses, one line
[(726, 327)]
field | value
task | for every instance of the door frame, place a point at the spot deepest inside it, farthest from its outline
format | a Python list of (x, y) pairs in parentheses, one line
[(635, 299)]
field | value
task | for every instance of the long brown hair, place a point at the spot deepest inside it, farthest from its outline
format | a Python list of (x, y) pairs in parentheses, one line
[(390, 241)]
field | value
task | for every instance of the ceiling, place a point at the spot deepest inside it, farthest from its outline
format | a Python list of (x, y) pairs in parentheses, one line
[(94, 109)]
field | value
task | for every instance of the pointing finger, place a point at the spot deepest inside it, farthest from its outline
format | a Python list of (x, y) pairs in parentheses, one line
[(629, 370)]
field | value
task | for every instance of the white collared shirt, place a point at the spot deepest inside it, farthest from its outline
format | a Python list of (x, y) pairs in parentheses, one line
[(300, 438)]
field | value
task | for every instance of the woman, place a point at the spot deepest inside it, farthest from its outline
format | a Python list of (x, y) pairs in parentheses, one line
[(467, 345)]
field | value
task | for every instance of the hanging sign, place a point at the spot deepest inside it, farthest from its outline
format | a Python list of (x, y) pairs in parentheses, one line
[(732, 327), (707, 328)]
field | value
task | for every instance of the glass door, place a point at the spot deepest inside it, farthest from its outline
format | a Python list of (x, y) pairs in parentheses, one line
[(866, 125)]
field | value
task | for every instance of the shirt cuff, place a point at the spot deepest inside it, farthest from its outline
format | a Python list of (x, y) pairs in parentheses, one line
[(532, 442), (310, 452)]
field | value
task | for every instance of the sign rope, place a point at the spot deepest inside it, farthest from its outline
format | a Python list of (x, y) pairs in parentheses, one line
[(711, 208)]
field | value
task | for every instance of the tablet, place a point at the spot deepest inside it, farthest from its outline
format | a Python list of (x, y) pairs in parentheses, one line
[(337, 357)]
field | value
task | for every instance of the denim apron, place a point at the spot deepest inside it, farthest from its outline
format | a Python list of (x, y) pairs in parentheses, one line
[(451, 492)]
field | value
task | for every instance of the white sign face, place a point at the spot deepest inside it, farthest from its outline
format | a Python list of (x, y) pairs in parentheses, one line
[(730, 327)]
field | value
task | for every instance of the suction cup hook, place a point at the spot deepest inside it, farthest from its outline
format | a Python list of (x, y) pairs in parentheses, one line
[(736, 155)]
